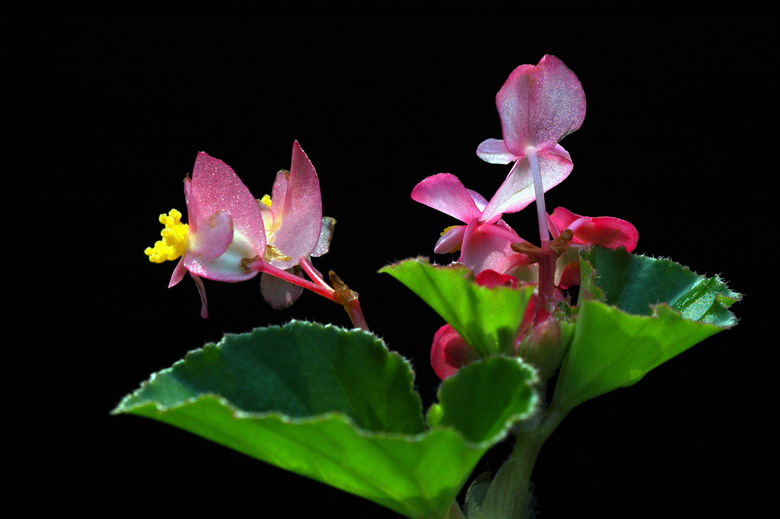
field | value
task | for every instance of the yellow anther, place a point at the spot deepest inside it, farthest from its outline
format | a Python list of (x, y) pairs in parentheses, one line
[(174, 239), (272, 253), (266, 200)]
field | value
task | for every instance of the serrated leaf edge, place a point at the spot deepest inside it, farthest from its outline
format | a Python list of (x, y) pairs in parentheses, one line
[(123, 408), (729, 294)]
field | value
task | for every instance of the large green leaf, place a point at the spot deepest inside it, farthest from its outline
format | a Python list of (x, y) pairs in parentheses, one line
[(636, 313), (487, 318), (635, 283), (337, 406)]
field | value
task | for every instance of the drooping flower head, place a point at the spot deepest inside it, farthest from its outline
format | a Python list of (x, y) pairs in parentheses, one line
[(538, 105)]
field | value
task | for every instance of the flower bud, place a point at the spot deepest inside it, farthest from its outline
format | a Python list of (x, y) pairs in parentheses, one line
[(545, 346)]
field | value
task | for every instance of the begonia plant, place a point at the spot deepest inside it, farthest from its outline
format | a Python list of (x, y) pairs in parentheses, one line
[(529, 330)]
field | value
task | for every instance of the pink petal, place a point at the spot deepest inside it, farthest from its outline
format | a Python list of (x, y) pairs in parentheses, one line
[(539, 105), (278, 293), (450, 241), (225, 268), (494, 151), (502, 229), (212, 239), (517, 191), (492, 279), (569, 275), (606, 231), (560, 220), (449, 352), (178, 274), (483, 250), (279, 194), (446, 193), (215, 187), (301, 217), (479, 200)]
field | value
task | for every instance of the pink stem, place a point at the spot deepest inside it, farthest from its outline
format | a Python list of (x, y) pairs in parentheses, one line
[(318, 286), (355, 314), (313, 273), (261, 266), (541, 210), (547, 259)]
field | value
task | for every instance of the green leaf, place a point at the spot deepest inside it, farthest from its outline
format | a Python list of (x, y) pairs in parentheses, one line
[(636, 313), (635, 283), (485, 397), (486, 318), (337, 406)]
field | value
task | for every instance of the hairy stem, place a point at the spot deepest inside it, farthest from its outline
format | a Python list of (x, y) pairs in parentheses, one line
[(510, 494)]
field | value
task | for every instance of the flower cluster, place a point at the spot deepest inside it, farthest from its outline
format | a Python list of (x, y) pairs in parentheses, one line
[(538, 106)]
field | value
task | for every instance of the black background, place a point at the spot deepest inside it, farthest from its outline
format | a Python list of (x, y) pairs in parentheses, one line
[(106, 114)]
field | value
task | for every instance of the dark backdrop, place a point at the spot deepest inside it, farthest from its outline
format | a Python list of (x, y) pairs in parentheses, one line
[(109, 108)]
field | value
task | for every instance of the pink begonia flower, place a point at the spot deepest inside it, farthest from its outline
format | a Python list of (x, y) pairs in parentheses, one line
[(606, 231), (538, 106), (294, 226), (229, 229), (485, 240), (225, 227)]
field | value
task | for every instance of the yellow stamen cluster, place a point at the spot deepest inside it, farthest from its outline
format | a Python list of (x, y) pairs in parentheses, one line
[(174, 239), (266, 200)]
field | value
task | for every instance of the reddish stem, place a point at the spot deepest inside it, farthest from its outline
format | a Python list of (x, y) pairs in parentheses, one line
[(341, 294), (546, 283), (355, 314), (324, 290), (349, 300)]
